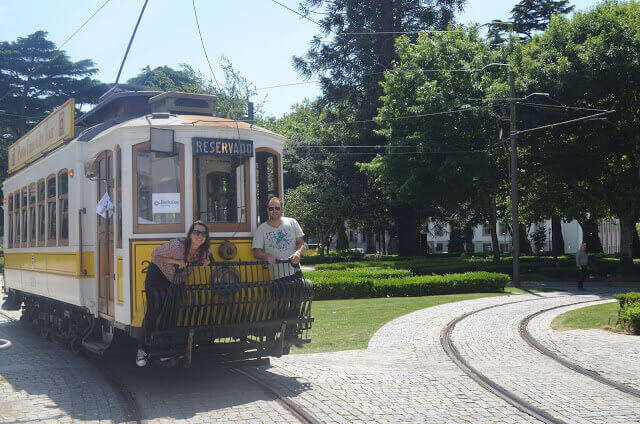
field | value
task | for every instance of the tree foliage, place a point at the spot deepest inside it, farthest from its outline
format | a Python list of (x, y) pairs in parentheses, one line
[(593, 61), (36, 78), (528, 17), (233, 94)]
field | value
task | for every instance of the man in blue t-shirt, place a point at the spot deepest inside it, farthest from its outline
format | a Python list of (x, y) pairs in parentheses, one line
[(278, 238)]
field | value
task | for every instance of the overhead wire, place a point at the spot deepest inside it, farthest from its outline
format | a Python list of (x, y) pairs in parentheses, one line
[(82, 26), (296, 12)]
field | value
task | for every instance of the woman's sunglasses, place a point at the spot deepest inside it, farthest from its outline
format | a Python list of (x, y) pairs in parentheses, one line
[(271, 208), (199, 233)]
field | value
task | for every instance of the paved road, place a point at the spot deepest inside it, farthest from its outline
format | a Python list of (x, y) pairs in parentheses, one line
[(403, 376)]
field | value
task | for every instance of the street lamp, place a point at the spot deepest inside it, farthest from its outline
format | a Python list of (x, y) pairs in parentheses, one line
[(513, 135)]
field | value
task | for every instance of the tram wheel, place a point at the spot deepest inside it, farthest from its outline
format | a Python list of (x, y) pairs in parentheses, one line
[(76, 346), (45, 332)]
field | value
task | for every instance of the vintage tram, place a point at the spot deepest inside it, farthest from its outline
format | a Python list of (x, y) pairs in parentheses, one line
[(87, 200)]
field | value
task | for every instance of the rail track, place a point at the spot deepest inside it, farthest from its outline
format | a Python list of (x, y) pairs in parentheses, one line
[(294, 408), (524, 333), (131, 408), (129, 404)]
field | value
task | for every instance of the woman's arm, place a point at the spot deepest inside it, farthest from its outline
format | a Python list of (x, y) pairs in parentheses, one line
[(181, 263)]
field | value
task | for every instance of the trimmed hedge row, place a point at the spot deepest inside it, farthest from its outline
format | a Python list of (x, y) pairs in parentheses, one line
[(629, 312), (360, 273), (326, 288)]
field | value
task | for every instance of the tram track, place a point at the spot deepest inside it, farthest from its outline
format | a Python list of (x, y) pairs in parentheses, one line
[(128, 401), (130, 405), (526, 335), (294, 408), (485, 382), (503, 393)]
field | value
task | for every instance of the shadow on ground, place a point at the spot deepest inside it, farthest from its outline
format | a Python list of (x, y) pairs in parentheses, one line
[(40, 380)]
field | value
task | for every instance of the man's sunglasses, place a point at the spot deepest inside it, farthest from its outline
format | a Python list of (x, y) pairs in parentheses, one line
[(271, 208), (199, 233)]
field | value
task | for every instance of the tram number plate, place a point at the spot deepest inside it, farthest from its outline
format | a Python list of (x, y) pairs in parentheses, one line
[(222, 147)]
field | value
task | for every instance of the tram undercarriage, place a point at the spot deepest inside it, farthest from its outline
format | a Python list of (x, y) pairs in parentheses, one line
[(243, 316)]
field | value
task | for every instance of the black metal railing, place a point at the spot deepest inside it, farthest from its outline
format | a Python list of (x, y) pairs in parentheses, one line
[(230, 301)]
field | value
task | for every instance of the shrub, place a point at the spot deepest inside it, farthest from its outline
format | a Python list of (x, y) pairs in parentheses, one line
[(627, 299), (359, 273), (331, 257), (629, 312), (347, 286), (629, 317)]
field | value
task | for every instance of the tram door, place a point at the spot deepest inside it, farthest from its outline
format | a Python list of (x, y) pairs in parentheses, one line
[(106, 276)]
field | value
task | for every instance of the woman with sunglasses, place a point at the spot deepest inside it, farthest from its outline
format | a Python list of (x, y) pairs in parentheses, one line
[(171, 265)]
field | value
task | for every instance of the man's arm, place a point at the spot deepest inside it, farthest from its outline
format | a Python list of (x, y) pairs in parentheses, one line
[(262, 255), (295, 257)]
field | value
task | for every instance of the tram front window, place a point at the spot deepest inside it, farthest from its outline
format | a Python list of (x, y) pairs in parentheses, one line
[(221, 194), (158, 179)]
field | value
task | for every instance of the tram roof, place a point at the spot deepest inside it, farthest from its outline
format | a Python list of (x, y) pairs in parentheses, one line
[(181, 121)]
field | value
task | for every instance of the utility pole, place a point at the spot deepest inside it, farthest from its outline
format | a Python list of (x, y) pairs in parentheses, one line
[(514, 182)]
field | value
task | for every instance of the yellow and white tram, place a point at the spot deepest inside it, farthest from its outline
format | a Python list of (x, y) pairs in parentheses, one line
[(86, 203)]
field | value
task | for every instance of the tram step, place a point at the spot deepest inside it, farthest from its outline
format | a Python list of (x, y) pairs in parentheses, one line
[(11, 303), (96, 346)]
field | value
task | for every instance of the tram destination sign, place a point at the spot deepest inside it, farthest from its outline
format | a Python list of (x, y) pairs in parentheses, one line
[(47, 135), (203, 146)]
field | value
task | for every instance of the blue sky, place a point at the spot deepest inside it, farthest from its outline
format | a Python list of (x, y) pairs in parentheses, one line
[(258, 36)]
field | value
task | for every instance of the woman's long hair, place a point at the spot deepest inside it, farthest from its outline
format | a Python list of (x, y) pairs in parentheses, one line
[(203, 250)]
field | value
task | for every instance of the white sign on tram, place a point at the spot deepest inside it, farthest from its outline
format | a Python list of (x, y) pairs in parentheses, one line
[(53, 130)]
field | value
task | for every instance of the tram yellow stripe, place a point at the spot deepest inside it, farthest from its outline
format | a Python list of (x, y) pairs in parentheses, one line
[(120, 282), (61, 263)]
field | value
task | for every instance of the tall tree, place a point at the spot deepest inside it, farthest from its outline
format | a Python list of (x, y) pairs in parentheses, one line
[(593, 60), (350, 67), (233, 94), (529, 17), (449, 137), (35, 78)]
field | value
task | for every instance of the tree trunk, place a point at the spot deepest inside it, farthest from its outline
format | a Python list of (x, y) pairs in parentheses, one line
[(342, 243), (320, 238), (408, 232), (371, 242), (490, 206), (590, 235), (557, 239), (456, 240), (627, 228), (636, 244), (525, 244), (468, 240)]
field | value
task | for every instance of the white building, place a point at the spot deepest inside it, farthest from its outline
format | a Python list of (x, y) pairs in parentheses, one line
[(609, 231)]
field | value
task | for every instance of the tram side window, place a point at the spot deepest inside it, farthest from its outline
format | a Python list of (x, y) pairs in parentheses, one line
[(268, 181), (63, 207), (16, 220), (10, 221), (221, 196), (32, 214), (41, 213), (25, 222), (51, 210), (159, 190)]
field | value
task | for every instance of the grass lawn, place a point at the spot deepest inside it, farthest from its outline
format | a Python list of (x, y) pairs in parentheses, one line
[(349, 324), (602, 317)]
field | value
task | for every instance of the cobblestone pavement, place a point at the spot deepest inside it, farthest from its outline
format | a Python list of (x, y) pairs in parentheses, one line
[(403, 376), (43, 382), (614, 356)]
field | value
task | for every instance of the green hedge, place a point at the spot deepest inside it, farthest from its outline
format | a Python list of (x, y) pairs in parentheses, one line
[(359, 273), (327, 287), (629, 312)]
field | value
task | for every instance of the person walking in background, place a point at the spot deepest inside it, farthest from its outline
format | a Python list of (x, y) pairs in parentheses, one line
[(582, 260)]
